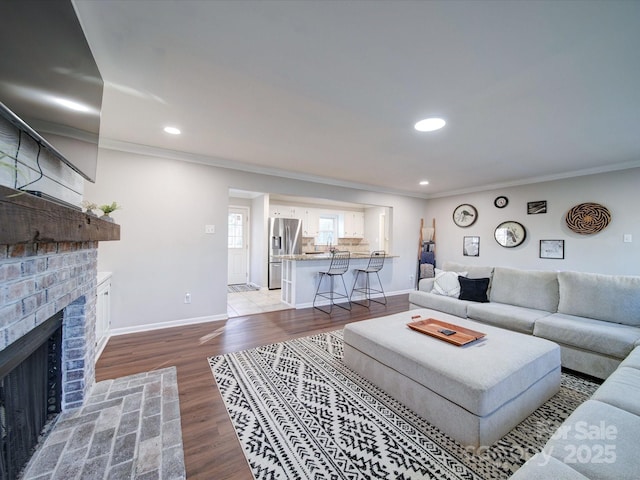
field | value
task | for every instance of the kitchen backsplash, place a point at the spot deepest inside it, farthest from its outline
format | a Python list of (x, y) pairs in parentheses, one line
[(348, 244)]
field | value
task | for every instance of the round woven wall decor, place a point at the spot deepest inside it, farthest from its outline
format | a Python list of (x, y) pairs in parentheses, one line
[(588, 218)]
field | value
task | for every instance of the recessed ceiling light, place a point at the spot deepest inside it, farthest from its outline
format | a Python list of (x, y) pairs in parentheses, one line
[(424, 182), (430, 124), (172, 130)]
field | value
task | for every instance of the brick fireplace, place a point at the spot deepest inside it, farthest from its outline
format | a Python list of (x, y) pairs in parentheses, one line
[(48, 264), (48, 270), (41, 279)]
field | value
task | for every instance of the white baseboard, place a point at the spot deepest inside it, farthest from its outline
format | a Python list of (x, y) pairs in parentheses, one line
[(174, 323), (324, 302)]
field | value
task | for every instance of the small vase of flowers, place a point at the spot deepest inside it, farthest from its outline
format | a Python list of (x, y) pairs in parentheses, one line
[(89, 207), (107, 209)]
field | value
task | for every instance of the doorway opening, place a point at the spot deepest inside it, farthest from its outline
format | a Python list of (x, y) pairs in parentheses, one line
[(243, 296)]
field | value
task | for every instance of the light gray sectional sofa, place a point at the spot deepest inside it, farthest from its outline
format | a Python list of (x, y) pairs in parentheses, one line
[(596, 321), (594, 318), (601, 438)]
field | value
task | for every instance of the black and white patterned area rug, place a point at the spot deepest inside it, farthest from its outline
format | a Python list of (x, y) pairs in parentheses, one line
[(300, 413)]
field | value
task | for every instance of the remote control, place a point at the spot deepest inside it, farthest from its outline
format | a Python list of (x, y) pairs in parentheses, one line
[(446, 332)]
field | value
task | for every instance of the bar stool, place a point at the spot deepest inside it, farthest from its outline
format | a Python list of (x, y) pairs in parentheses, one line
[(376, 262), (339, 265)]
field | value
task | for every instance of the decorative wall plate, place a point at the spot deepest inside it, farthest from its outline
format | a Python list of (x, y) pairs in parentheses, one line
[(588, 218), (465, 215), (510, 234), (501, 201)]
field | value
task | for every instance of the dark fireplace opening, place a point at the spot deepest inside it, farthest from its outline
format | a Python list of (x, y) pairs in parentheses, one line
[(30, 393)]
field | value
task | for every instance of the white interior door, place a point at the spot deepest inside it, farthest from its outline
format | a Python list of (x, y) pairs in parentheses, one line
[(237, 246)]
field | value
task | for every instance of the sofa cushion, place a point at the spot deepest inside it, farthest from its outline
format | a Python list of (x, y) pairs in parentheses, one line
[(506, 316), (614, 298), (621, 389), (599, 441), (450, 305), (472, 270), (607, 338), (633, 359), (446, 283), (543, 466), (425, 284), (473, 289), (525, 288)]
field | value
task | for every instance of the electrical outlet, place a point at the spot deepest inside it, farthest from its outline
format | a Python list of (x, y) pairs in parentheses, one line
[(187, 298), (627, 238), (211, 229)]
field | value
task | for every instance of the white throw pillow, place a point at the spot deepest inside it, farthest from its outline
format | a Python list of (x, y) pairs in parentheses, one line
[(446, 283)]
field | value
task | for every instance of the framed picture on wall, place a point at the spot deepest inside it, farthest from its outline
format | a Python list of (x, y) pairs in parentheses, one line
[(465, 215), (533, 208), (471, 246), (552, 249)]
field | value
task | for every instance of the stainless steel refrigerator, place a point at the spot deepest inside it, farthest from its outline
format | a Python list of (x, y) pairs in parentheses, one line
[(285, 238)]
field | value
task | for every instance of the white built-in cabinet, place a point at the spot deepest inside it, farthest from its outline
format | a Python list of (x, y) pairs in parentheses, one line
[(310, 222), (284, 211), (103, 311), (274, 211), (351, 225)]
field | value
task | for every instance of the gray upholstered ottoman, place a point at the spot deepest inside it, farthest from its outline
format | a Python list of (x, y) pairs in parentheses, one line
[(475, 393)]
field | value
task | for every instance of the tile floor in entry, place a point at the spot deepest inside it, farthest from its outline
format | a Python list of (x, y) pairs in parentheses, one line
[(257, 301)]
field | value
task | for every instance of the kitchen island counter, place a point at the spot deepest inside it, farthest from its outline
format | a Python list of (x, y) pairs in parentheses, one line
[(325, 256), (300, 275)]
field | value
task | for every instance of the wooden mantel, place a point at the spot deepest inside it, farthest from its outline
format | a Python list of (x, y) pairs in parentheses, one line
[(25, 218)]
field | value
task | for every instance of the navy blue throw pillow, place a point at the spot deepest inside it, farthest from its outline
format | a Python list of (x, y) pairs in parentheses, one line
[(473, 289)]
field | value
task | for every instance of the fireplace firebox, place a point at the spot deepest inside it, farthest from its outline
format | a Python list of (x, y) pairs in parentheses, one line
[(30, 393)]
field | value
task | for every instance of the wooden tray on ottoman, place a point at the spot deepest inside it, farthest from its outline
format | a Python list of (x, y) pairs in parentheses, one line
[(432, 327)]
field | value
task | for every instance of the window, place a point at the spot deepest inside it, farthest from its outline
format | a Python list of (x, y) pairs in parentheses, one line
[(328, 229), (236, 236)]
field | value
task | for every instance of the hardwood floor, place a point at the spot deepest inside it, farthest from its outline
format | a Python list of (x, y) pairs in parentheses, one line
[(211, 448)]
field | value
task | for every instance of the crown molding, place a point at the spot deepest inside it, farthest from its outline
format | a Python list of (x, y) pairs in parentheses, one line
[(129, 147), (119, 145), (542, 179)]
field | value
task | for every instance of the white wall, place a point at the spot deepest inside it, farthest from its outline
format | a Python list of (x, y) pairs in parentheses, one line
[(372, 228), (603, 252), (164, 253)]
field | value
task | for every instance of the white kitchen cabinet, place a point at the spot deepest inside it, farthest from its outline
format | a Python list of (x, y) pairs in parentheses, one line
[(275, 211), (351, 225), (285, 211), (103, 311), (310, 222), (358, 224)]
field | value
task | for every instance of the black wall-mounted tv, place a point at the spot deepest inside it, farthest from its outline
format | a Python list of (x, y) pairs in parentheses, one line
[(49, 78)]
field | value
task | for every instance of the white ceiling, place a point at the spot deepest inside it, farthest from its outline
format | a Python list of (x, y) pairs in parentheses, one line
[(330, 90)]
